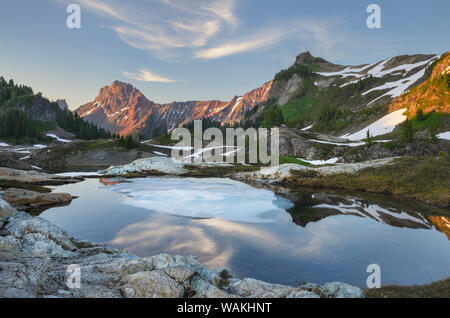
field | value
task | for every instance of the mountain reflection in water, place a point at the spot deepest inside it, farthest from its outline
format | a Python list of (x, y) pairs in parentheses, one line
[(314, 207), (300, 236)]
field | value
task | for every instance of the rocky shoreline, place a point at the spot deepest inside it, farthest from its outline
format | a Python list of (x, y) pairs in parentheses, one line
[(35, 256), (26, 191)]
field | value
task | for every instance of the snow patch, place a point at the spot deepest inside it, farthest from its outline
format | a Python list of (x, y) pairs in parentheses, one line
[(372, 210), (38, 146), (352, 144), (58, 139), (382, 126), (78, 174), (445, 135), (321, 162), (170, 147)]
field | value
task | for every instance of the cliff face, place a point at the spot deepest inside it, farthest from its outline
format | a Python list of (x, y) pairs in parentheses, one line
[(117, 108), (123, 109)]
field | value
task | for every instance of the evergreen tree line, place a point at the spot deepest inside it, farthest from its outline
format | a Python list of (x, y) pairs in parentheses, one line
[(82, 129), (16, 124), (12, 95), (302, 70), (127, 141), (209, 123)]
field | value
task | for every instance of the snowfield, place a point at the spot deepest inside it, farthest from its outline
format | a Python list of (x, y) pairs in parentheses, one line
[(397, 87), (382, 126)]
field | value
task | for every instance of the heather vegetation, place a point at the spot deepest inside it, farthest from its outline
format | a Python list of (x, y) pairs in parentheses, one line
[(426, 179), (440, 289)]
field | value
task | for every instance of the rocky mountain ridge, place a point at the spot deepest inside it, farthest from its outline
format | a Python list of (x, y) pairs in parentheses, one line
[(123, 109), (336, 99)]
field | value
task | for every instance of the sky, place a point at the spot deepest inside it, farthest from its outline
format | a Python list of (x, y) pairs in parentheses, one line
[(182, 50)]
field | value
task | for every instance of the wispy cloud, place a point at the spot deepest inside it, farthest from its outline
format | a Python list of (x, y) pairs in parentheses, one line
[(148, 76), (250, 43), (315, 34), (202, 29), (165, 24)]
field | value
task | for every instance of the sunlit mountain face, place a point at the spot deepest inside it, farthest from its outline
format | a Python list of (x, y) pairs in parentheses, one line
[(123, 109), (442, 223)]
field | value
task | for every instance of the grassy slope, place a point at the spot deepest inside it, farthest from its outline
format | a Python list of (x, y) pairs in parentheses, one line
[(425, 179), (336, 109), (284, 159), (431, 95)]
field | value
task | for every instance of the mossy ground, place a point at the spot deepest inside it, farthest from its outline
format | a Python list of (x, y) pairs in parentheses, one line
[(284, 159), (426, 179), (218, 171), (4, 184), (440, 289)]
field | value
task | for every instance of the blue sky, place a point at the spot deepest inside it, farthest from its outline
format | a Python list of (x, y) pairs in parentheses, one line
[(179, 50)]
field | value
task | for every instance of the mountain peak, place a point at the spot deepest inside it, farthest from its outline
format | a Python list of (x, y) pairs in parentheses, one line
[(118, 90), (304, 56), (119, 83)]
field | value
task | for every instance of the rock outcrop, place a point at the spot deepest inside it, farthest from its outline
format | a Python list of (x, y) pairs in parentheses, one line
[(33, 177), (35, 257), (155, 165), (26, 200), (282, 172)]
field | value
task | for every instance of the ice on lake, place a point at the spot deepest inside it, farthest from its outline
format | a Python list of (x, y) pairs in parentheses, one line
[(203, 198)]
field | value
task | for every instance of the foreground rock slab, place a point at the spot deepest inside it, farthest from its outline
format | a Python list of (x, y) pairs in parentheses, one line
[(35, 256), (26, 200), (161, 165)]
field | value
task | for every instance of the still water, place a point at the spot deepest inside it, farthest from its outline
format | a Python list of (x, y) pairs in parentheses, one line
[(316, 238)]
